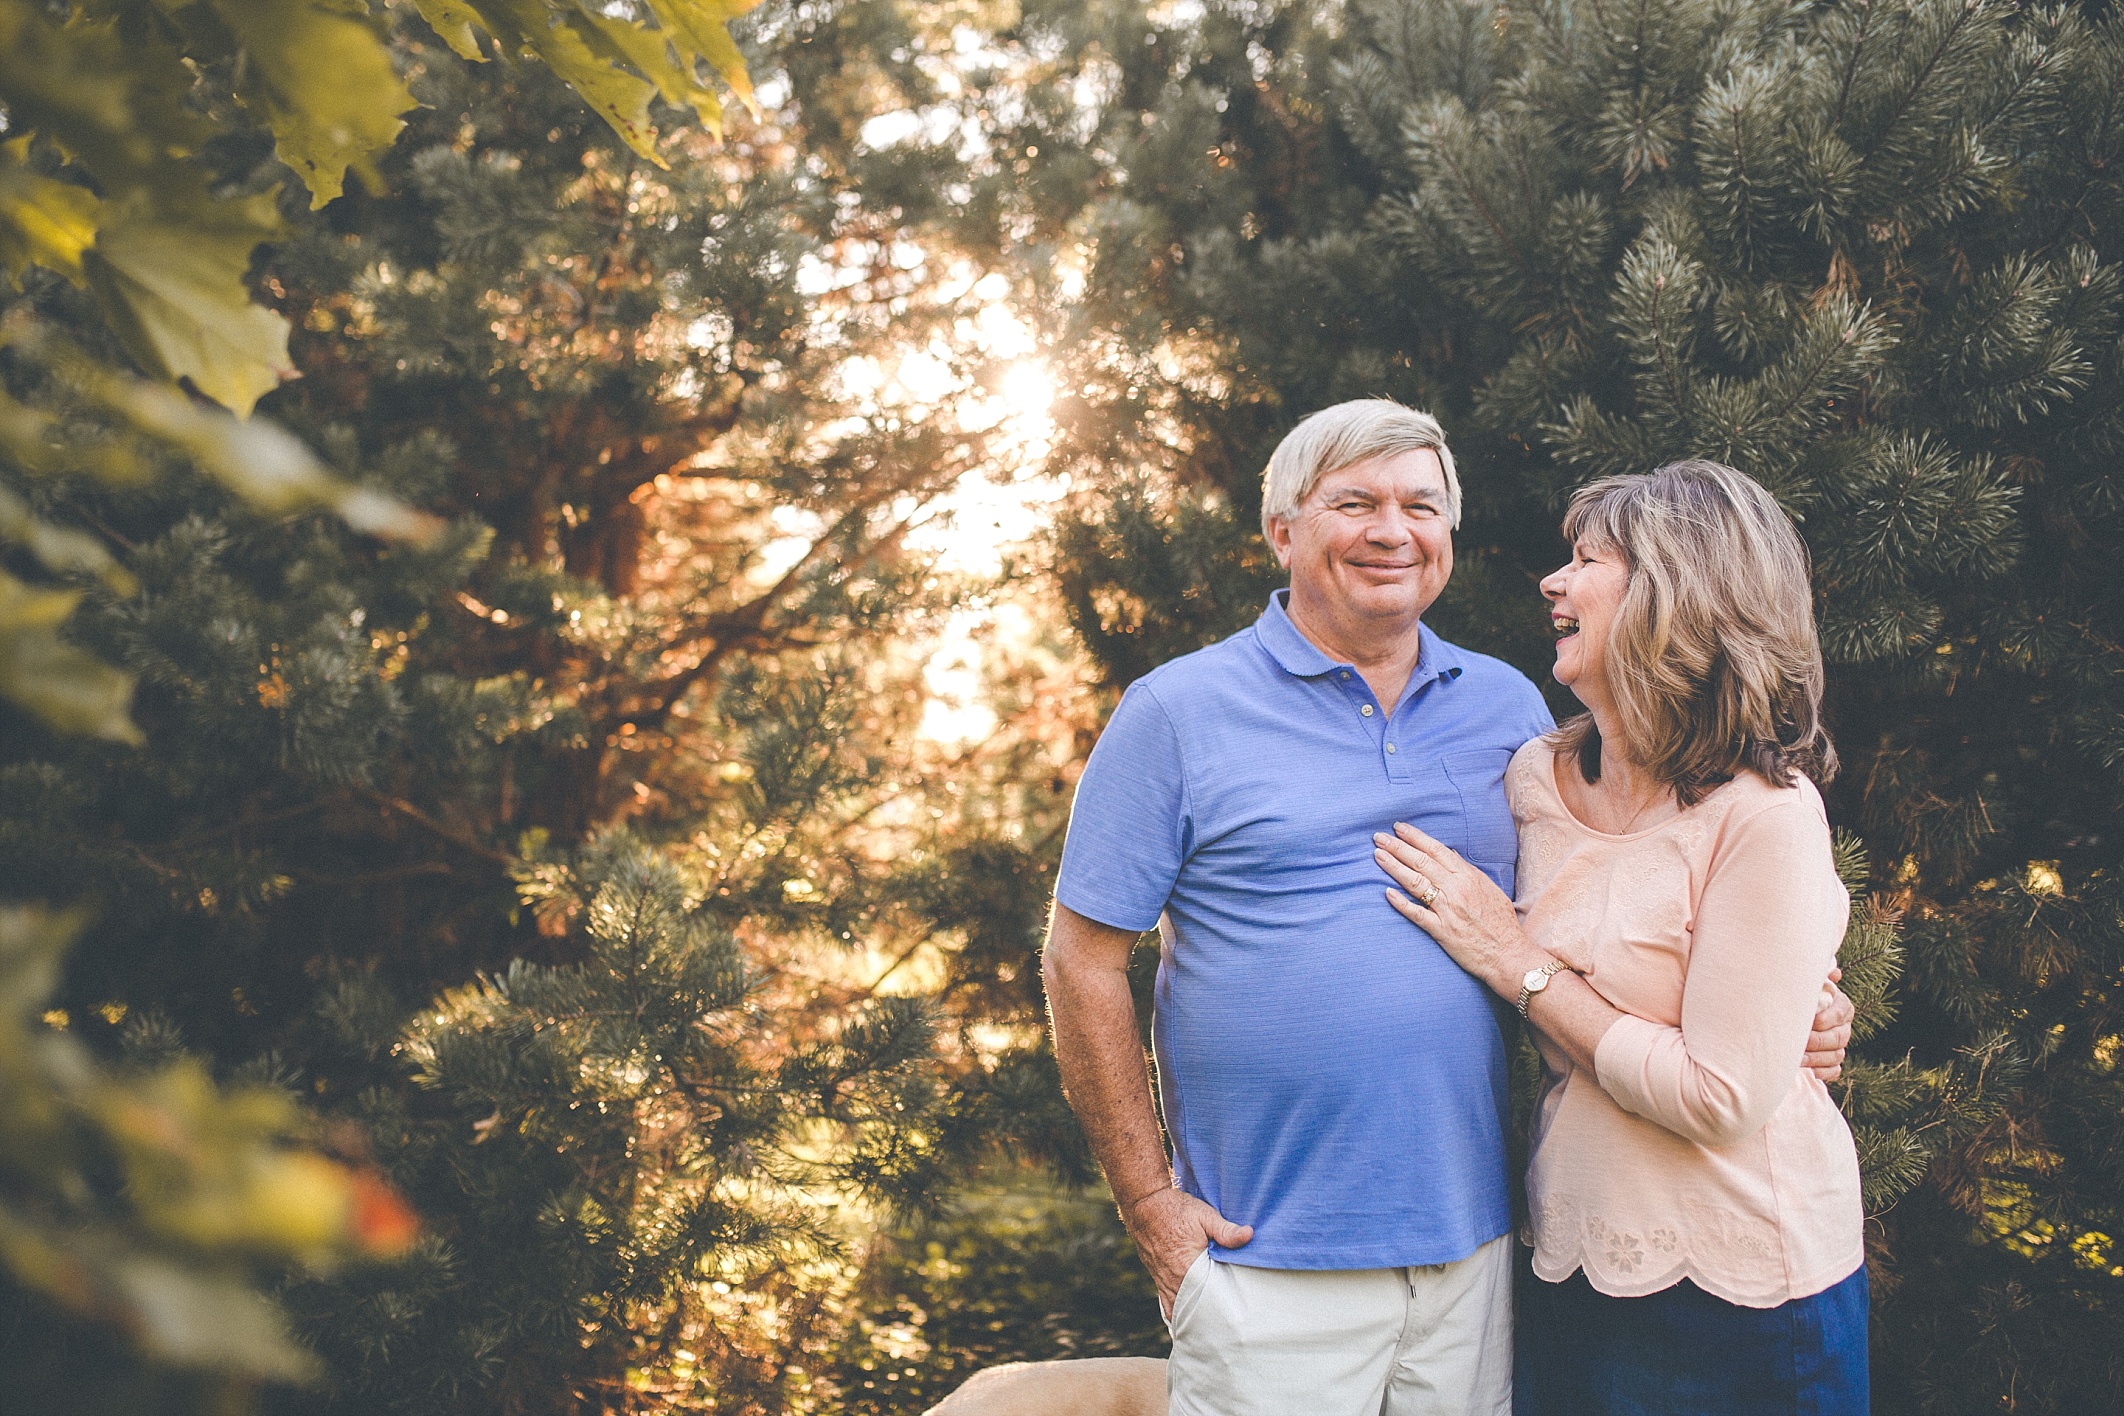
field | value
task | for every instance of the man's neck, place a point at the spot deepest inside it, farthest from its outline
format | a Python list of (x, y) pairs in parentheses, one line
[(1387, 657)]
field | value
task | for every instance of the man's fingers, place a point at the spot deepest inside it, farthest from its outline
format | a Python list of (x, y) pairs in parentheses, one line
[(1216, 1228)]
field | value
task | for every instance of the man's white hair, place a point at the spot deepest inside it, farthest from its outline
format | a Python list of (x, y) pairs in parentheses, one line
[(1343, 436)]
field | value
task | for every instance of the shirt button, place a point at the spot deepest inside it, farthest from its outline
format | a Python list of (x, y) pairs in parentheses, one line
[(1345, 674), (1390, 747), (1366, 710)]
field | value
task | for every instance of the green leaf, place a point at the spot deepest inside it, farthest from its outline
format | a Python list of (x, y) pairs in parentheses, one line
[(325, 85), (615, 64), (258, 460), (58, 548), (170, 276), (255, 458), (117, 103), (571, 45), (210, 1320), (66, 686), (704, 24), (454, 23), (43, 221), (650, 51)]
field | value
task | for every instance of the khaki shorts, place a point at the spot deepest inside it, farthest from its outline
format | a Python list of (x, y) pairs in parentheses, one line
[(1432, 1341)]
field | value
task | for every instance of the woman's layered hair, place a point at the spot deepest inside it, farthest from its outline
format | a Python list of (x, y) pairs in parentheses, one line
[(1713, 662)]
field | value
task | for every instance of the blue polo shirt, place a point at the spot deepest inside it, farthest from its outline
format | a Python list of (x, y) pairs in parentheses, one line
[(1327, 1074)]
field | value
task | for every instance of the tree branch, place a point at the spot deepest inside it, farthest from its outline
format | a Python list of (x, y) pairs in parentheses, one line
[(435, 828)]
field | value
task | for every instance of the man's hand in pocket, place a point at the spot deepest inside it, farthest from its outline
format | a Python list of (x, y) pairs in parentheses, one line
[(1171, 1229)]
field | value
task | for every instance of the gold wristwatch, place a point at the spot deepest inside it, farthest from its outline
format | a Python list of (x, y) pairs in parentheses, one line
[(1535, 981)]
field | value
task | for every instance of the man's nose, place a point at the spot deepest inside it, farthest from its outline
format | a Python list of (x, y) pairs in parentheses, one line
[(1389, 526)]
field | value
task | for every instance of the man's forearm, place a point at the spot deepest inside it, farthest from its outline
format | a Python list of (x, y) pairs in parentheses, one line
[(1100, 1058)]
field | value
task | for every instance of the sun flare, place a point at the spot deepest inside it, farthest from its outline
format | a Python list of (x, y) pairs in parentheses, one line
[(1027, 388)]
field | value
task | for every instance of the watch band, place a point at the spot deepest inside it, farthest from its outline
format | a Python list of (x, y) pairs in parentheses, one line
[(1527, 988)]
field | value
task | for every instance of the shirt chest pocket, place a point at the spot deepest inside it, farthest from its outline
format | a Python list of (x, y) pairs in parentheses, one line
[(1488, 838)]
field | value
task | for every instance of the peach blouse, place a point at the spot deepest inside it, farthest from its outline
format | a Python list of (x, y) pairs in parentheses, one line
[(1697, 1148)]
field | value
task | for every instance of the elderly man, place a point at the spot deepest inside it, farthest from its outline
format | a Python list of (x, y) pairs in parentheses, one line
[(1329, 1236)]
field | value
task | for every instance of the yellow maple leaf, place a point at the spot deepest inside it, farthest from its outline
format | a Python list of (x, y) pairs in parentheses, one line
[(325, 85), (172, 284), (43, 221)]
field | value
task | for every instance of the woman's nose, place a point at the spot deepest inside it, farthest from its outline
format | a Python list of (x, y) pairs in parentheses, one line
[(1552, 585)]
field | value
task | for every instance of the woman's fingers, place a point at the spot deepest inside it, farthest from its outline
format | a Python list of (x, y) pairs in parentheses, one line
[(1406, 873), (1399, 849), (1431, 868), (1441, 857), (1408, 908)]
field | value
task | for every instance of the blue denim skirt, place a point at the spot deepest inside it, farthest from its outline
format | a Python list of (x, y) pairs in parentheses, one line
[(1681, 1351)]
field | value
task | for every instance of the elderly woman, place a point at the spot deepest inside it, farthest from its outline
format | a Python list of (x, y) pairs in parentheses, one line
[(1693, 1194)]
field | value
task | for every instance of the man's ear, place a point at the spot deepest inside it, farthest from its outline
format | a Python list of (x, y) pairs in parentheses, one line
[(1279, 539)]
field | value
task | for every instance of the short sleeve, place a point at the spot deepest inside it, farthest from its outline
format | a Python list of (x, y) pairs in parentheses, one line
[(1130, 827)]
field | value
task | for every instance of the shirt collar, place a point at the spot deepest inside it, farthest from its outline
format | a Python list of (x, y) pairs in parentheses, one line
[(1301, 658)]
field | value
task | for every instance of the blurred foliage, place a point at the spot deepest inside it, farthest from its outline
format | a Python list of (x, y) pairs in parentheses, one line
[(138, 1197), (120, 176), (670, 569), (142, 1197)]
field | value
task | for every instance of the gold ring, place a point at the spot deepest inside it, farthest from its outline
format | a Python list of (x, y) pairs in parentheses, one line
[(1427, 895)]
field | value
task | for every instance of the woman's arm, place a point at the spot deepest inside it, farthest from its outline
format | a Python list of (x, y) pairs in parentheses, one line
[(1718, 1076), (1767, 928)]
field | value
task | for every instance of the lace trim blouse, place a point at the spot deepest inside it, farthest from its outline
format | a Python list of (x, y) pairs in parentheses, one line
[(1697, 1147)]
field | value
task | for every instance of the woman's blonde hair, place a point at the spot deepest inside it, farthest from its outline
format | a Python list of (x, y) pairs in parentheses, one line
[(1713, 662)]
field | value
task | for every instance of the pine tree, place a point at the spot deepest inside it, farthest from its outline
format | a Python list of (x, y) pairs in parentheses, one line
[(674, 587), (629, 1163), (141, 1204), (1863, 251)]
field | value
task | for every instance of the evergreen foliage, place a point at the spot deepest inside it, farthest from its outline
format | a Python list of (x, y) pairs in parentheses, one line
[(126, 176), (1032, 1274), (629, 1163), (141, 1195), (672, 577), (1865, 252)]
